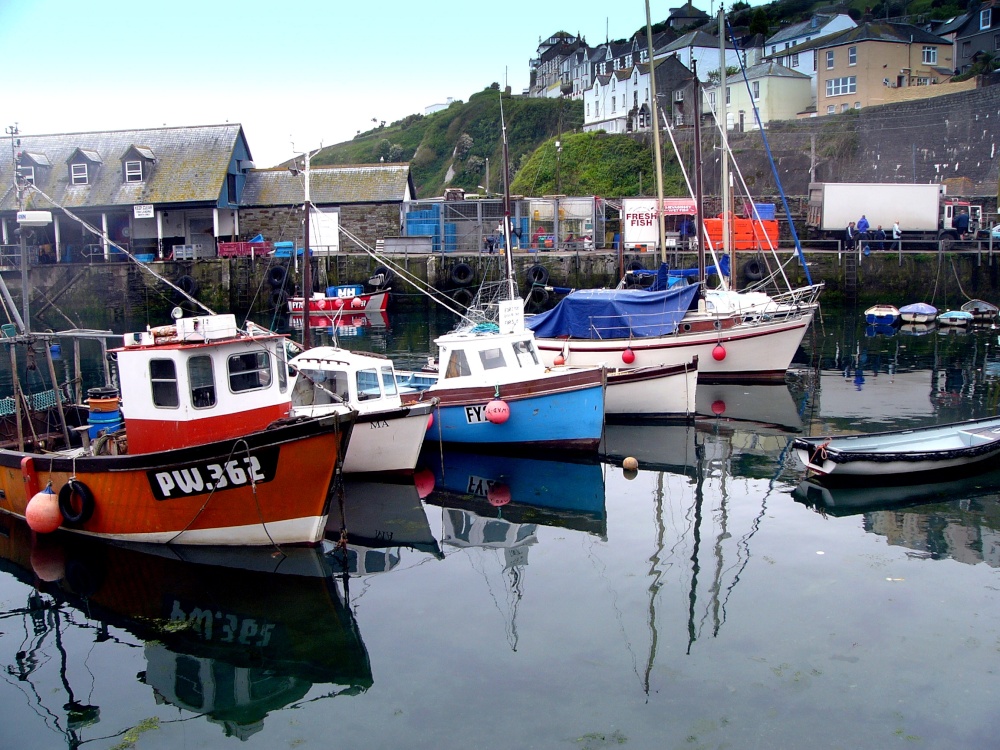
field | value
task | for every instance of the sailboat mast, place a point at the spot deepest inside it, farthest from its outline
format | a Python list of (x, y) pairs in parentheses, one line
[(306, 265), (511, 284), (699, 197), (656, 139), (723, 105)]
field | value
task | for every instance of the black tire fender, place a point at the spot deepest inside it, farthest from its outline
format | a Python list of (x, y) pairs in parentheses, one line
[(463, 296), (462, 274), (381, 278), (71, 493), (188, 285), (537, 275), (538, 297), (276, 276), (753, 271)]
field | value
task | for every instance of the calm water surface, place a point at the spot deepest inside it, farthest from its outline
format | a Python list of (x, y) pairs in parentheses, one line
[(711, 600)]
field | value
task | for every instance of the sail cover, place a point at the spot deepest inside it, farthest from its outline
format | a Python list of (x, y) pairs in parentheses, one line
[(614, 313)]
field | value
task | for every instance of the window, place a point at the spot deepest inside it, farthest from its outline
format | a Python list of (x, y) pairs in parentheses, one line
[(202, 382), (320, 387), (815, 60), (929, 56), (163, 378), (830, 109), (492, 359), (388, 381), (729, 98), (249, 371), (628, 61), (996, 41), (678, 97), (857, 105), (27, 174), (368, 384), (282, 360), (613, 100), (756, 90), (921, 81), (458, 365), (525, 352), (841, 86), (588, 109), (795, 60), (774, 48), (133, 171), (844, 107), (78, 174), (984, 19), (852, 55), (711, 98), (829, 59)]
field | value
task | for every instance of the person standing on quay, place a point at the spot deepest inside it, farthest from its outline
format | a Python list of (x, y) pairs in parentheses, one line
[(850, 236), (897, 235), (863, 226)]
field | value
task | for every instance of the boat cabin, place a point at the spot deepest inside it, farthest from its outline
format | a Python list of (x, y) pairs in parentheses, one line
[(198, 381), (483, 354), (327, 375)]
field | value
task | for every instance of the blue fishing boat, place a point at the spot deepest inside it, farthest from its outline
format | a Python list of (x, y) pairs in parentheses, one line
[(956, 318), (881, 315)]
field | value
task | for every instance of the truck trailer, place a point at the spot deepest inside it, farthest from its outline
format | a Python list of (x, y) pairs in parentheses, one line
[(924, 212)]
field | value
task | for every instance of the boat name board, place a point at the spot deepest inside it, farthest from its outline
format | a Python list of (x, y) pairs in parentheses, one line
[(210, 476)]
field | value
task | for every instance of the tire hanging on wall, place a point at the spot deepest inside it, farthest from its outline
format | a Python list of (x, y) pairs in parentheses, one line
[(187, 284), (753, 271), (538, 297), (462, 274), (537, 275), (381, 278), (276, 276), (462, 296), (279, 297)]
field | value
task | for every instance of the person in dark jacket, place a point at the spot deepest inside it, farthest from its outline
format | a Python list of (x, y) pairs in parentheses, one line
[(850, 236)]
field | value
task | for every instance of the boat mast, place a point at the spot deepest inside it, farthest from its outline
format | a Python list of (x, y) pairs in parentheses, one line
[(306, 265), (511, 284), (656, 140), (723, 105), (699, 197)]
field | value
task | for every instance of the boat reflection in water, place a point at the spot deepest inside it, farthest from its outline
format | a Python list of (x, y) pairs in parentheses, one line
[(957, 520), (383, 522), (229, 634)]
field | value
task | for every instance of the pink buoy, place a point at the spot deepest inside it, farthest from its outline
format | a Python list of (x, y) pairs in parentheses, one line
[(48, 561), (424, 481), (42, 513), (357, 303), (338, 303), (430, 420), (497, 411), (498, 495), (718, 407), (559, 360), (719, 353), (628, 356)]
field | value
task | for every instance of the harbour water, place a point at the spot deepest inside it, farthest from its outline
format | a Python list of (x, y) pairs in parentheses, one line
[(712, 599)]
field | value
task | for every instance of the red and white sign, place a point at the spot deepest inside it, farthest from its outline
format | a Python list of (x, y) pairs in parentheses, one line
[(639, 224)]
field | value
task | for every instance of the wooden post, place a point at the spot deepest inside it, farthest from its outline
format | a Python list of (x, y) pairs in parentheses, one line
[(57, 391)]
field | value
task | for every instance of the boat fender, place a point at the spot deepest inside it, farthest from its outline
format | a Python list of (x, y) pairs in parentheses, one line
[(752, 271), (538, 275), (30, 476), (382, 277), (538, 297), (188, 285), (279, 297), (462, 274), (463, 296), (76, 502), (276, 276)]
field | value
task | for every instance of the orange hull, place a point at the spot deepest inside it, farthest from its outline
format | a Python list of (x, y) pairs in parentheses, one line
[(269, 487)]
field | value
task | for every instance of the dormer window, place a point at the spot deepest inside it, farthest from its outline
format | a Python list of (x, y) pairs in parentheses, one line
[(985, 19), (137, 163), (78, 174), (27, 174), (133, 171)]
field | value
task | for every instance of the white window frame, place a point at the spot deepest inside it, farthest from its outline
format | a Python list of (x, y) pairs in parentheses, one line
[(133, 170), (985, 19), (929, 55), (756, 91), (829, 59), (78, 173), (852, 56), (831, 109), (27, 174), (729, 95), (841, 86), (795, 60)]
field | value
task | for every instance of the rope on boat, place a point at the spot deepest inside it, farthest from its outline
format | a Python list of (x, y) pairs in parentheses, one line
[(820, 451)]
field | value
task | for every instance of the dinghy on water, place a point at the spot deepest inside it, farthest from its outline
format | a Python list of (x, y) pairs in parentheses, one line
[(881, 315), (955, 318), (918, 312), (981, 310)]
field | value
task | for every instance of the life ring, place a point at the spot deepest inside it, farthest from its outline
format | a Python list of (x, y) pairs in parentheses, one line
[(76, 502), (279, 297), (188, 285), (381, 278), (276, 276), (538, 297), (463, 296), (462, 274), (753, 271), (537, 275)]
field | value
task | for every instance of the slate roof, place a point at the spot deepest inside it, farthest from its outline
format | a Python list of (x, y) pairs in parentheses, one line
[(872, 31), (191, 164), (695, 39), (800, 29), (337, 185), (772, 69)]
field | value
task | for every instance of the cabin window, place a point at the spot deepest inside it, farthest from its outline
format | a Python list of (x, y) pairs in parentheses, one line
[(133, 171), (388, 381), (368, 385), (492, 359), (525, 352), (78, 174), (282, 359), (249, 371), (320, 387), (458, 365), (163, 377), (202, 380)]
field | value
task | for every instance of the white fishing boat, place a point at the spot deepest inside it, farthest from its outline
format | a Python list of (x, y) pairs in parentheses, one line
[(960, 446), (388, 435)]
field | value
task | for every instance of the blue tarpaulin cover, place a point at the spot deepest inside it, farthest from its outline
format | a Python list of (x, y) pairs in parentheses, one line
[(614, 313)]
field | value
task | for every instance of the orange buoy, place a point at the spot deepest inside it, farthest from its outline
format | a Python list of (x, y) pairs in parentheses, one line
[(42, 513), (719, 353), (498, 495), (630, 464), (628, 356), (357, 303), (497, 411), (424, 481), (559, 360)]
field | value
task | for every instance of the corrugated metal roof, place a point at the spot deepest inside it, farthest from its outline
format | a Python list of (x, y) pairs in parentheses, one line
[(337, 185), (191, 166)]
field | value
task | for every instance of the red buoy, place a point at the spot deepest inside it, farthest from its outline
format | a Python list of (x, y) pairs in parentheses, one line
[(497, 411), (357, 303), (430, 420), (559, 360), (424, 481), (42, 513), (628, 356), (338, 303), (498, 495), (719, 353), (718, 407)]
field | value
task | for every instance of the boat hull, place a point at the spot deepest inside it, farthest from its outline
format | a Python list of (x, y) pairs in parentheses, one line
[(388, 441), (754, 352), (961, 446), (269, 487), (562, 411), (659, 392), (374, 302)]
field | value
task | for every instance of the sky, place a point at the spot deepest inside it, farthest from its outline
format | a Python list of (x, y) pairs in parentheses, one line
[(296, 76)]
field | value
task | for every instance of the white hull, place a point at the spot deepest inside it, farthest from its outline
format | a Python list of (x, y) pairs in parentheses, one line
[(753, 351), (390, 445), (918, 317), (670, 395)]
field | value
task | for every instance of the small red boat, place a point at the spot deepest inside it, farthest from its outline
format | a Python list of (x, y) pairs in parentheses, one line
[(347, 297)]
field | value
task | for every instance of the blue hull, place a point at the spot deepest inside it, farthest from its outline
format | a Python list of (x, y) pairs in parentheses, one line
[(881, 320), (569, 420)]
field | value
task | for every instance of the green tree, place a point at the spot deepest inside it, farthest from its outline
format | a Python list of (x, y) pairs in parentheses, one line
[(759, 22)]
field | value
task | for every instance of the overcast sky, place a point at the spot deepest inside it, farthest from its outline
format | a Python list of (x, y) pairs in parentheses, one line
[(302, 72)]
